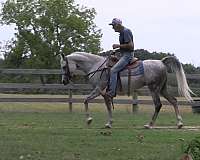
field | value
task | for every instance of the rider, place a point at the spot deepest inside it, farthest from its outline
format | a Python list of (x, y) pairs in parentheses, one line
[(126, 48)]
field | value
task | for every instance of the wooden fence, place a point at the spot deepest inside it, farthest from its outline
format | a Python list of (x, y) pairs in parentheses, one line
[(69, 88)]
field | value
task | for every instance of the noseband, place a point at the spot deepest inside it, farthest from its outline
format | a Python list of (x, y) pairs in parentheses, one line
[(67, 71)]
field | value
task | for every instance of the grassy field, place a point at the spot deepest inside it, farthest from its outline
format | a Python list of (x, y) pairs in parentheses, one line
[(44, 131)]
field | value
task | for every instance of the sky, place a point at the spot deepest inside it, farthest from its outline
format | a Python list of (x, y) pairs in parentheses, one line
[(170, 26)]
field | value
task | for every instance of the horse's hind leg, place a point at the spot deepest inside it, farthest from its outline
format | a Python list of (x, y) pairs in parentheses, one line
[(173, 101), (158, 105)]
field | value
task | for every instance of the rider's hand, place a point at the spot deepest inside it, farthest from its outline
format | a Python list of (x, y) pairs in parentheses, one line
[(115, 46)]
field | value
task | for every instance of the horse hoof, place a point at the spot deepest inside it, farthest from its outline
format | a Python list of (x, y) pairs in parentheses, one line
[(106, 133), (89, 120), (108, 126), (147, 126), (180, 125)]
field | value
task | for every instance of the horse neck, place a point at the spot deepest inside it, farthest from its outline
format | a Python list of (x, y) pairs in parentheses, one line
[(88, 62), (97, 65)]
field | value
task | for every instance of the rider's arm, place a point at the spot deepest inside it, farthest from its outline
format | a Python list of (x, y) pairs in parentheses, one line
[(128, 45)]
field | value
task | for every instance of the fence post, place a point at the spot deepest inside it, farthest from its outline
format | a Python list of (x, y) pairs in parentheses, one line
[(70, 100), (134, 102)]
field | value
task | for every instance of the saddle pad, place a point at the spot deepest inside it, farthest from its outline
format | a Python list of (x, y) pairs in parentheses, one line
[(138, 70)]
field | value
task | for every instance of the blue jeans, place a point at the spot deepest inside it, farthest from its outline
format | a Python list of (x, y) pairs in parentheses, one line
[(121, 64)]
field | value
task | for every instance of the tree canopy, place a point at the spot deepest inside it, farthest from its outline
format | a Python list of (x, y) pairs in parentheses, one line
[(144, 54), (45, 28)]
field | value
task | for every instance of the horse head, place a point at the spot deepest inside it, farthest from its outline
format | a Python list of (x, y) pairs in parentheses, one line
[(74, 63), (66, 74)]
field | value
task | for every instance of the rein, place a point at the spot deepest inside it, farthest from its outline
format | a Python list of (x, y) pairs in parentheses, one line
[(98, 69)]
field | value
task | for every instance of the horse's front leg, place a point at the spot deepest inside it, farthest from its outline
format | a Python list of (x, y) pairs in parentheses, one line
[(109, 109), (88, 117), (95, 93)]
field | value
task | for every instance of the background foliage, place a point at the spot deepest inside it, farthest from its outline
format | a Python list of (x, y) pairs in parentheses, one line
[(46, 28)]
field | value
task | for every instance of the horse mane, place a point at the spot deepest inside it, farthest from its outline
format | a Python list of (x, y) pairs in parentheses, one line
[(84, 56)]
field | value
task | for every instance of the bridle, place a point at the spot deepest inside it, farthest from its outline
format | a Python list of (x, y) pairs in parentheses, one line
[(66, 68)]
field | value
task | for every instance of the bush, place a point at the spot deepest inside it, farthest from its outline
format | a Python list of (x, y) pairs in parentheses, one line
[(193, 148)]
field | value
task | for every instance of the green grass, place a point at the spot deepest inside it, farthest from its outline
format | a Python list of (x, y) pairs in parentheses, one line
[(41, 131)]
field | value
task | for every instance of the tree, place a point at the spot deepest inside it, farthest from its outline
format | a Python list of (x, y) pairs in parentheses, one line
[(190, 68), (45, 28), (144, 54)]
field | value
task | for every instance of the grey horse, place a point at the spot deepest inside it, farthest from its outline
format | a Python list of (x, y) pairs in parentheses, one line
[(154, 76)]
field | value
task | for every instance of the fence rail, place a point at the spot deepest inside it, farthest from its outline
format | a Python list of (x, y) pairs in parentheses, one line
[(58, 72), (8, 86), (31, 71), (81, 100), (69, 88)]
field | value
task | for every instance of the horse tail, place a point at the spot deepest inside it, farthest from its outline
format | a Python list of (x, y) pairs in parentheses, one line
[(171, 62)]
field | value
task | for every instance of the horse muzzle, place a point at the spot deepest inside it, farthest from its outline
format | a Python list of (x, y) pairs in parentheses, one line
[(65, 82)]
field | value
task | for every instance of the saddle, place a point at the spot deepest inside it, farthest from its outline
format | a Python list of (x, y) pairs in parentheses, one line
[(114, 59), (134, 65)]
